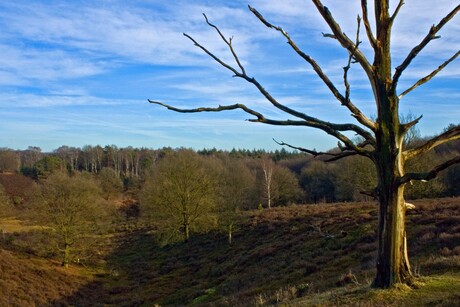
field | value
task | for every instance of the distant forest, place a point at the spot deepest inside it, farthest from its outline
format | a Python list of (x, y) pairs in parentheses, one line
[(287, 176), (176, 193)]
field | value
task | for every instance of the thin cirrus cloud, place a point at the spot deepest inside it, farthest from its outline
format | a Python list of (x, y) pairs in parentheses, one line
[(83, 70)]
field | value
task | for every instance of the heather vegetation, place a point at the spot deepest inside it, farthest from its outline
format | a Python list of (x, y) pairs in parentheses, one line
[(111, 226)]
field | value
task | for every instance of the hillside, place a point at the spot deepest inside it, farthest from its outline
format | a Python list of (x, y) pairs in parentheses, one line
[(305, 255), (26, 280)]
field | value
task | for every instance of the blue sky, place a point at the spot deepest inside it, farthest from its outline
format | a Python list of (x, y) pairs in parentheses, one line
[(80, 72)]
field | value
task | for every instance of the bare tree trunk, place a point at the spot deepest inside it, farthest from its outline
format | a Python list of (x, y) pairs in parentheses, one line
[(186, 232), (185, 226), (392, 258), (66, 260), (230, 232), (383, 138)]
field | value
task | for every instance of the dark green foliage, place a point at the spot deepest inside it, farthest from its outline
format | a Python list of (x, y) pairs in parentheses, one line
[(451, 181), (318, 180), (47, 166)]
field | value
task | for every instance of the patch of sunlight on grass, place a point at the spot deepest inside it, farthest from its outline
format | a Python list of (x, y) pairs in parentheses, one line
[(435, 290), (13, 224)]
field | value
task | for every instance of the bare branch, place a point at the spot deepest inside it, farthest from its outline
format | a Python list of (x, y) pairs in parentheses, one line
[(407, 126), (355, 111), (415, 51), (392, 18), (330, 128), (343, 155), (329, 35), (235, 72), (431, 174), (312, 152), (346, 68), (345, 151), (206, 109), (335, 156), (449, 135), (372, 193), (367, 25), (430, 76), (343, 39), (228, 42)]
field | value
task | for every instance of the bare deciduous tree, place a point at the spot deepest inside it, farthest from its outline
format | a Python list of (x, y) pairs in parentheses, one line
[(236, 190), (179, 194), (383, 138), (72, 207), (9, 160)]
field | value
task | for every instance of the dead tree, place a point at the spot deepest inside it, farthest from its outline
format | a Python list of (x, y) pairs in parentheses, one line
[(382, 138)]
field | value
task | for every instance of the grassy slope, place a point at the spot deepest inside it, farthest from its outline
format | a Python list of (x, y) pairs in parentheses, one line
[(323, 254), (30, 281), (435, 290)]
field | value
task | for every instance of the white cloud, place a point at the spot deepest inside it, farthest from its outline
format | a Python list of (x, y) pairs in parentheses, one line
[(85, 53), (21, 100), (28, 64)]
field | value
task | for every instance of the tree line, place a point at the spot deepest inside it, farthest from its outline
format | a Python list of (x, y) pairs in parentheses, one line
[(282, 176), (178, 192)]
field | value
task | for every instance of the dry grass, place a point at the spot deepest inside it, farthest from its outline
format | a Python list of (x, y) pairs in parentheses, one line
[(13, 224), (277, 256), (30, 281)]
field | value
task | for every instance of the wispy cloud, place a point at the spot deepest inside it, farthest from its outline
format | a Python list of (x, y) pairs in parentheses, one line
[(84, 69)]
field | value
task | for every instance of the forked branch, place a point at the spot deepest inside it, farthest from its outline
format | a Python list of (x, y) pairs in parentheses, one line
[(406, 127), (228, 42), (259, 116), (415, 51), (400, 4), (449, 135), (426, 176), (343, 39), (330, 128), (315, 153), (360, 117), (347, 68)]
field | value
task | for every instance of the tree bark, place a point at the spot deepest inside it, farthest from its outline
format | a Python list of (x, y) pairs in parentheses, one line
[(65, 262), (383, 139), (185, 226), (392, 258)]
